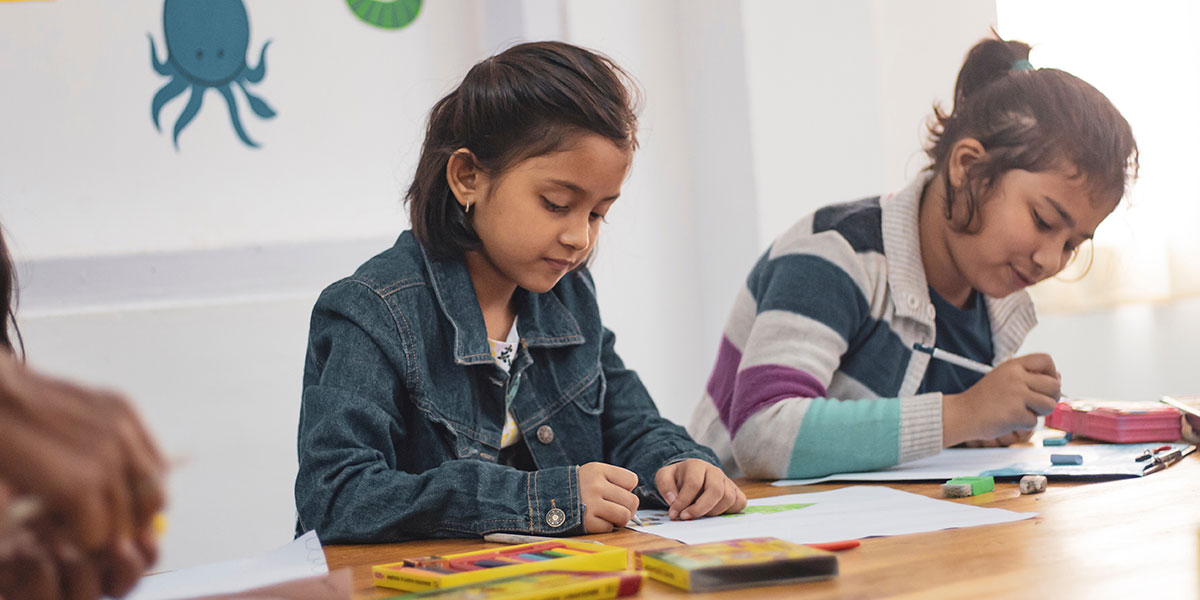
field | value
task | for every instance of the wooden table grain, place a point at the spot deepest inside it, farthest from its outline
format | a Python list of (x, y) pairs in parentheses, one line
[(1128, 538)]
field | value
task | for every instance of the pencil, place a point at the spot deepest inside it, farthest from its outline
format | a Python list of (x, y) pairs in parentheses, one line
[(963, 362), (953, 358)]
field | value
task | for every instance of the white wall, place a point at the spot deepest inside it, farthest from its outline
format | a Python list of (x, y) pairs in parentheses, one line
[(840, 93), (1134, 352)]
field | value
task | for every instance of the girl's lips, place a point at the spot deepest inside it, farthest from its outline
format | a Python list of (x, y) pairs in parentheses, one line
[(1021, 278), (559, 264)]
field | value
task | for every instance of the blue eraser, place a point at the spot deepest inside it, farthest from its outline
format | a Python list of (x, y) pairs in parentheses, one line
[(1058, 441), (1066, 459)]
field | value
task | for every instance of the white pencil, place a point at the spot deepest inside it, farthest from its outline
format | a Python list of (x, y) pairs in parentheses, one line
[(953, 358)]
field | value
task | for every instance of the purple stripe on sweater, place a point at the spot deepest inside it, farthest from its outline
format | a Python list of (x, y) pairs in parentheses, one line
[(723, 378), (758, 387)]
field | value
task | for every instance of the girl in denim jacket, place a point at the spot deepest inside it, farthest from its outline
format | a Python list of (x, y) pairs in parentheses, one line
[(461, 382)]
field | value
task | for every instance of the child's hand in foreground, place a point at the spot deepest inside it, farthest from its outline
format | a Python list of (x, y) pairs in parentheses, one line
[(694, 488)]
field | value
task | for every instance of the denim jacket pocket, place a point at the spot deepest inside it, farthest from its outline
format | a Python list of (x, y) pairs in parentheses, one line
[(591, 398)]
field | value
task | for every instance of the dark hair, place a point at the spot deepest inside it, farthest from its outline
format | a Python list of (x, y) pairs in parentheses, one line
[(8, 302), (1030, 119), (530, 100)]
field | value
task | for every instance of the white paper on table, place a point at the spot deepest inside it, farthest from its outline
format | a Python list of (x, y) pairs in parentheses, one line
[(1113, 460), (300, 559), (843, 514)]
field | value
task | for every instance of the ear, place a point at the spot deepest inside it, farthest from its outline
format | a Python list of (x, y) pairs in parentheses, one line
[(467, 181), (965, 153)]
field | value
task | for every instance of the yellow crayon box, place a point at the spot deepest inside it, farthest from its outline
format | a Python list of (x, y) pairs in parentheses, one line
[(739, 563), (436, 572)]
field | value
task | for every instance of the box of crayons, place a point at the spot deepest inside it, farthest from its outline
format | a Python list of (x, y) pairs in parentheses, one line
[(544, 585), (1114, 421), (740, 563), (435, 572)]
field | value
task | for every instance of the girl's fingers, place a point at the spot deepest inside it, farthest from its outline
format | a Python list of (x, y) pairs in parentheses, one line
[(611, 513), (620, 477), (622, 498), (740, 504), (709, 497), (123, 565), (693, 484), (722, 505), (664, 480), (81, 578)]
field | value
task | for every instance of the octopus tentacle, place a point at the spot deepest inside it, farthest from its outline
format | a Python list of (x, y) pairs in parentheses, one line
[(233, 115), (165, 94), (256, 74), (258, 105), (193, 107), (163, 68)]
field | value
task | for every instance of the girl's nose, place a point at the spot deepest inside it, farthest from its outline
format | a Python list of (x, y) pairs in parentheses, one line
[(1048, 258), (577, 233)]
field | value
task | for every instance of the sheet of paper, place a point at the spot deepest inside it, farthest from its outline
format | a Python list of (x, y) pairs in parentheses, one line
[(843, 514), (1112, 460), (302, 558), (335, 585)]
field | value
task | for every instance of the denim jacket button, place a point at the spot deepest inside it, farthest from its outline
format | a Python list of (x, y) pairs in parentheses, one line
[(545, 435), (555, 517)]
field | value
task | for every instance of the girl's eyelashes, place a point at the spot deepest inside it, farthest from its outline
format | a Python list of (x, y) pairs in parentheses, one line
[(597, 216), (552, 207), (1042, 225)]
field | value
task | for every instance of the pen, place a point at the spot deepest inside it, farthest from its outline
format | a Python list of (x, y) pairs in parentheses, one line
[(953, 358)]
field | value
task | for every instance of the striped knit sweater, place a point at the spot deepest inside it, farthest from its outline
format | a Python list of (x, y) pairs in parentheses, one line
[(816, 373)]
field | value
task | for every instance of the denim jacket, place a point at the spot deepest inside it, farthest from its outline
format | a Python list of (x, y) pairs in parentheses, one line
[(403, 407)]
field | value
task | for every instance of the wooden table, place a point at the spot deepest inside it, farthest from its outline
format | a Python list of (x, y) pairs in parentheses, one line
[(1129, 538)]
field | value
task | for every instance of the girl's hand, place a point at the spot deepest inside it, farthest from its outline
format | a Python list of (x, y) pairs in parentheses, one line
[(694, 488), (1008, 399), (607, 494), (83, 453)]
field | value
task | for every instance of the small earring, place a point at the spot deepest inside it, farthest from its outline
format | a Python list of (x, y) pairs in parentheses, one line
[(467, 210)]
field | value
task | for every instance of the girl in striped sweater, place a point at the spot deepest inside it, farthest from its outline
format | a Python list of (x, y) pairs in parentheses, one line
[(816, 373)]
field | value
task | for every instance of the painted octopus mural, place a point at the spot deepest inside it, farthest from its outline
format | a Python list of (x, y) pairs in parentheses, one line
[(207, 42)]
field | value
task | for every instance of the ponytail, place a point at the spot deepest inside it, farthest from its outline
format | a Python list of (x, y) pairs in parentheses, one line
[(1030, 119)]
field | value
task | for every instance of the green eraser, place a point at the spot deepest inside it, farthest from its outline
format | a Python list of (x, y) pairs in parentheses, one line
[(979, 485)]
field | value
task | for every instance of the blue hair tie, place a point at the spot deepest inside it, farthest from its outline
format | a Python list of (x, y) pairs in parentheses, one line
[(1022, 65)]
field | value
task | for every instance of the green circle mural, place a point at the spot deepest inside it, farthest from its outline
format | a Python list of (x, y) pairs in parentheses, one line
[(386, 14)]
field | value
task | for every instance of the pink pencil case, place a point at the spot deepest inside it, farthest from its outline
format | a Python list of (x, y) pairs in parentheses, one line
[(1121, 422)]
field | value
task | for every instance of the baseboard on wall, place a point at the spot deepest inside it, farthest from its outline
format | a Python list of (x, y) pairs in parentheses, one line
[(87, 284)]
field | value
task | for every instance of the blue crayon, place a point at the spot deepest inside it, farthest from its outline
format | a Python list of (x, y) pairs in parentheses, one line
[(1066, 459)]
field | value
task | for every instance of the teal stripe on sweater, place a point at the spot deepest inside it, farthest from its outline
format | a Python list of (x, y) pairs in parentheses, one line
[(844, 437)]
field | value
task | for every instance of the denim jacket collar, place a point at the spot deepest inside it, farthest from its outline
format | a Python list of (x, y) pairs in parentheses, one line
[(542, 320)]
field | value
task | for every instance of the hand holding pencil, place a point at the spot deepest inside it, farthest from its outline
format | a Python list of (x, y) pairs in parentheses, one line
[(1008, 399)]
